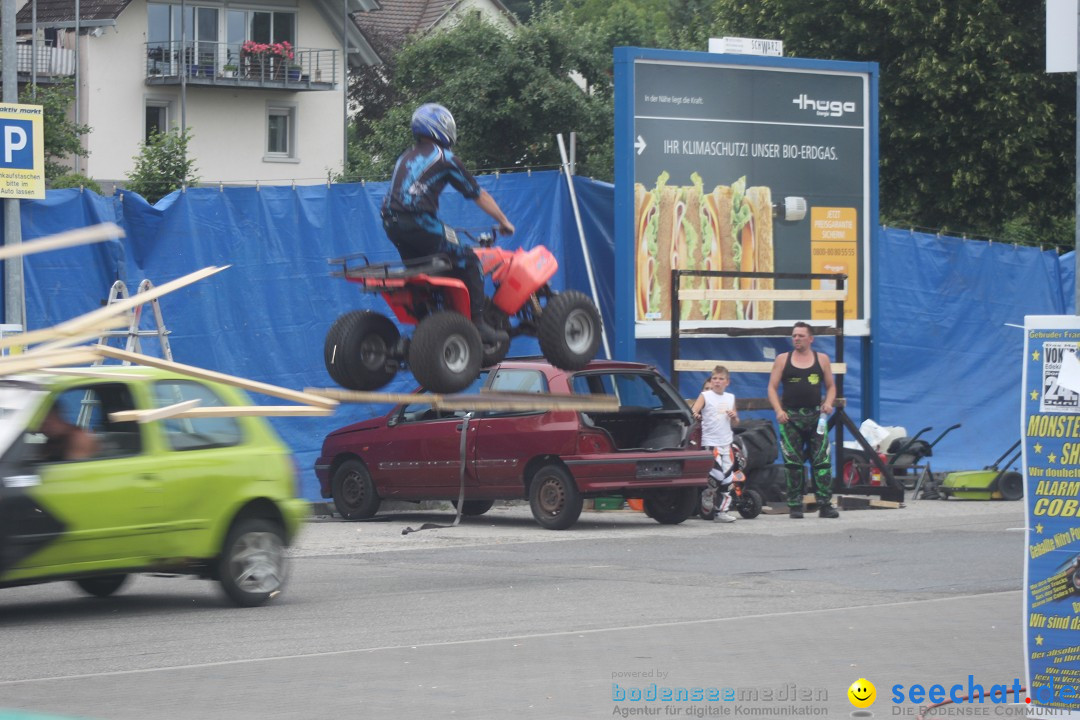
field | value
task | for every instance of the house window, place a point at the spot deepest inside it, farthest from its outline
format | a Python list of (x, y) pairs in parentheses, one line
[(281, 131), (157, 117), (213, 36)]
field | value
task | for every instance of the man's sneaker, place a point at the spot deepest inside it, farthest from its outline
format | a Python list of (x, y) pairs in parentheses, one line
[(795, 513), (723, 517), (827, 511), (489, 335)]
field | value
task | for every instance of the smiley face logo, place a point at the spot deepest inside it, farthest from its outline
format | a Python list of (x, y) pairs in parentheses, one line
[(862, 693)]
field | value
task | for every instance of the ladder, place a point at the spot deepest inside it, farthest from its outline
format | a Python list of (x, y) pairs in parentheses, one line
[(133, 336), (134, 333)]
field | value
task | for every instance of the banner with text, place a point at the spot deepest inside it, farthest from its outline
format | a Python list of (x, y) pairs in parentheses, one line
[(1050, 418)]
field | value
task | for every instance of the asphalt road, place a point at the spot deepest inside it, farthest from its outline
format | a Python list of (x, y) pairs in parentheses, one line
[(499, 618)]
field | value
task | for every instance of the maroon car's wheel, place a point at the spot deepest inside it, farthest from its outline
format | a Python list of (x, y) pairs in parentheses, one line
[(554, 498), (355, 497)]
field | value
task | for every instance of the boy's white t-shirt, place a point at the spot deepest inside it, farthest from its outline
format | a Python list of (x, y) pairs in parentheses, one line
[(715, 424)]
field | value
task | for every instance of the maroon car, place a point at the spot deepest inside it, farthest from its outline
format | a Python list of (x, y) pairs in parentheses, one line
[(649, 449)]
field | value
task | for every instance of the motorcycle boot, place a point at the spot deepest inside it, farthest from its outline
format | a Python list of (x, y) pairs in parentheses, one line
[(826, 510)]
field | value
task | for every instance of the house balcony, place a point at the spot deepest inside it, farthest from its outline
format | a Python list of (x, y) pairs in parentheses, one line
[(53, 64), (223, 65)]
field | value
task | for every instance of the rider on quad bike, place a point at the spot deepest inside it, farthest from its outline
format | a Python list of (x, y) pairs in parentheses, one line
[(410, 207)]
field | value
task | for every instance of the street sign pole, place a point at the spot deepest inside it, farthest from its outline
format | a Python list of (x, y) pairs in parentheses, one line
[(14, 301)]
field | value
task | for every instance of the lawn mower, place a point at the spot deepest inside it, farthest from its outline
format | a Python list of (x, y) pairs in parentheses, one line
[(364, 349), (990, 483)]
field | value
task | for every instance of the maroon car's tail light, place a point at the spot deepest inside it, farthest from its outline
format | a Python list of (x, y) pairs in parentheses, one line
[(590, 442)]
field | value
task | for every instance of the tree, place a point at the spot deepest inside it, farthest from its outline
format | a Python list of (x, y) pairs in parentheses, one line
[(510, 95), (162, 165), (975, 136), (62, 137)]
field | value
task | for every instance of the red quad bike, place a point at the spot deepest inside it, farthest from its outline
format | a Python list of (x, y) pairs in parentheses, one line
[(364, 350)]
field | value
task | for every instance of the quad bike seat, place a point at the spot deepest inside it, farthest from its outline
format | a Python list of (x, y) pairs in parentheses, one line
[(395, 270)]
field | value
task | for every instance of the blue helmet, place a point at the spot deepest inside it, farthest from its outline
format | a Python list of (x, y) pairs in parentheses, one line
[(432, 120)]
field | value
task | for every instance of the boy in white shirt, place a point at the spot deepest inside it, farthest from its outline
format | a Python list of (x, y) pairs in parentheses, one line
[(715, 407)]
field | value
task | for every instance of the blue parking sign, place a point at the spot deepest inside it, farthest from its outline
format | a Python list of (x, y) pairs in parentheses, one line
[(16, 144)]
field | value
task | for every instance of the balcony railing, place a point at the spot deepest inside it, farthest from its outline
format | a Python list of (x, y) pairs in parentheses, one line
[(51, 61), (223, 64)]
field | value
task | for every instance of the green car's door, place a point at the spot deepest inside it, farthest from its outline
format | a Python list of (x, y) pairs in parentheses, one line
[(105, 490)]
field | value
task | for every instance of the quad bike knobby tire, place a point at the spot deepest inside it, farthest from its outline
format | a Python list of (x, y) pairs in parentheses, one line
[(357, 351), (569, 331), (445, 352)]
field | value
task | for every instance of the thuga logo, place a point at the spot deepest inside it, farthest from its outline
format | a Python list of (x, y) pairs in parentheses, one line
[(824, 108)]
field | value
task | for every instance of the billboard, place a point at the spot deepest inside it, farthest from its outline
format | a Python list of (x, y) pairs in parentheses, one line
[(747, 163)]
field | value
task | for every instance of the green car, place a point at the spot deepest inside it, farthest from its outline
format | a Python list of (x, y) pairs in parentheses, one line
[(91, 497)]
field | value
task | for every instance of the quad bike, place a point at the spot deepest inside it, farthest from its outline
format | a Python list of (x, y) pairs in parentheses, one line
[(364, 349)]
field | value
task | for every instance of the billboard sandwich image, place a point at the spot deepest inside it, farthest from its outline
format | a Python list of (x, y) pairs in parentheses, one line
[(729, 227)]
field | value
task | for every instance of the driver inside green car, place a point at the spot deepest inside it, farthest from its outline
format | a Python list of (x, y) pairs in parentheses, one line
[(65, 440)]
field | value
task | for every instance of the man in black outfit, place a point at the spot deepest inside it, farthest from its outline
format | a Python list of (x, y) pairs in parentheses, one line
[(803, 372)]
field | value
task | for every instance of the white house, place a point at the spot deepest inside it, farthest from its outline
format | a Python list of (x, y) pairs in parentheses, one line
[(273, 113)]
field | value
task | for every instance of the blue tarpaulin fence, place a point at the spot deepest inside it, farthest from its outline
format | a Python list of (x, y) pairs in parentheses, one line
[(945, 338)]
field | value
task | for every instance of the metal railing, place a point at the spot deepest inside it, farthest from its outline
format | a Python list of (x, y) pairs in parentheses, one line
[(225, 64), (52, 61)]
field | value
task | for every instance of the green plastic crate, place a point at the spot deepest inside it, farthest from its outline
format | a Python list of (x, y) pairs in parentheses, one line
[(608, 503)]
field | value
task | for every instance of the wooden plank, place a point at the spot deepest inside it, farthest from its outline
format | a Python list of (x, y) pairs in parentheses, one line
[(92, 333), (740, 366), (763, 294), (30, 362), (80, 236), (77, 372), (162, 413), (482, 401), (84, 323), (232, 411), (204, 374), (717, 329)]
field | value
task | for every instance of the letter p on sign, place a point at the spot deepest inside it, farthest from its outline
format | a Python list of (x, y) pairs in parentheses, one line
[(18, 145)]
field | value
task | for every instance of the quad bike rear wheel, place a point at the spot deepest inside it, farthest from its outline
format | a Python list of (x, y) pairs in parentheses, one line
[(445, 352), (358, 350), (569, 331)]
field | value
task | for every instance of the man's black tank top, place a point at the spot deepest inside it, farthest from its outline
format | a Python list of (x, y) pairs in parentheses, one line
[(802, 386)]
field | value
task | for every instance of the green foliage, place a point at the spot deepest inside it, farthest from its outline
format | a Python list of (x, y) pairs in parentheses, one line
[(62, 136), (975, 136), (162, 165), (510, 95), (75, 180)]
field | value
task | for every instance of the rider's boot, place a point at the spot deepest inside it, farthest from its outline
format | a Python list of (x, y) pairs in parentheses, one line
[(488, 334)]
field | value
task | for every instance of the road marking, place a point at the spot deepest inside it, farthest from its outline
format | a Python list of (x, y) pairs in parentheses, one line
[(534, 636)]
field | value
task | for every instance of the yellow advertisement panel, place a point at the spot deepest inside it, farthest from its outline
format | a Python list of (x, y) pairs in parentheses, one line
[(834, 249), (22, 152)]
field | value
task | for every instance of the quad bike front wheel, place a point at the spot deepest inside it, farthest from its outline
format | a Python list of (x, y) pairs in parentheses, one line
[(358, 350), (445, 352), (569, 331)]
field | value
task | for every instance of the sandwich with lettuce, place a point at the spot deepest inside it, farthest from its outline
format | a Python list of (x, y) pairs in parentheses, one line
[(685, 227)]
